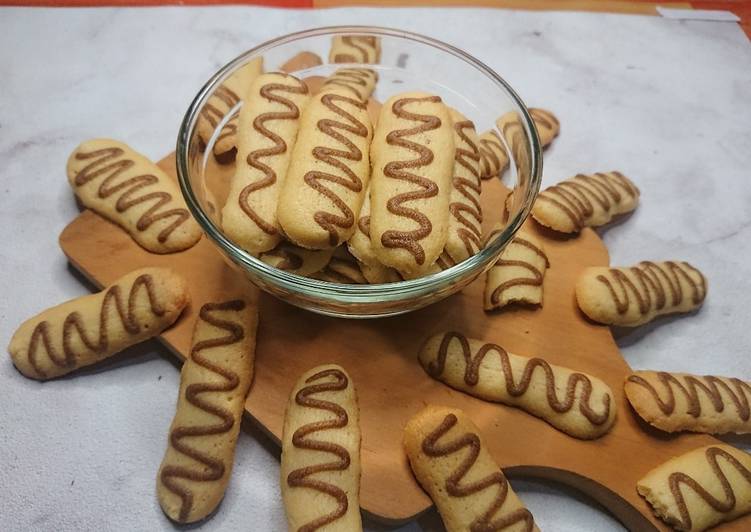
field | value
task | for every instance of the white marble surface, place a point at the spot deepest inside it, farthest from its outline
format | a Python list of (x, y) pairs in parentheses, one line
[(666, 102)]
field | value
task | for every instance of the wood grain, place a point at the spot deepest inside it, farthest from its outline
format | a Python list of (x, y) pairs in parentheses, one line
[(380, 355)]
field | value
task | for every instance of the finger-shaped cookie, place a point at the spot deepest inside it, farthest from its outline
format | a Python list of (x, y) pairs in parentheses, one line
[(355, 49), (413, 159), (518, 274), (357, 83), (700, 489), (294, 259), (699, 403), (88, 329), (638, 294), (224, 98), (585, 201), (576, 403), (493, 158), (343, 268), (452, 463), (465, 212), (214, 383), (546, 123), (330, 169), (302, 61), (361, 248), (320, 470), (115, 181), (269, 123)]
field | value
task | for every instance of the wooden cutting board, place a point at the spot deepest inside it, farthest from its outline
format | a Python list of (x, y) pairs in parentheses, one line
[(380, 355)]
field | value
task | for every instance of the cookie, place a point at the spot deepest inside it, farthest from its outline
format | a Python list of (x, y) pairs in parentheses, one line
[(700, 489), (302, 61), (330, 169), (546, 123), (297, 260), (578, 404), (360, 246), (85, 330), (638, 294), (343, 268), (357, 83), (585, 201), (680, 401), (214, 382), (413, 161), (465, 212), (116, 182), (518, 274), (320, 470), (493, 158), (451, 462), (269, 123), (355, 49), (221, 102)]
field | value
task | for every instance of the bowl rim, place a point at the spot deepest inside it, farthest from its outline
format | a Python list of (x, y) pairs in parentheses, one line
[(355, 293)]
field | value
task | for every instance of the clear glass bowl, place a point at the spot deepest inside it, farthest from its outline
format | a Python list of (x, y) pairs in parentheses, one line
[(409, 62)]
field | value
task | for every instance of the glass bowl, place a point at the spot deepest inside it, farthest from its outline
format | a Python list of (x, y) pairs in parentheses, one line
[(409, 62)]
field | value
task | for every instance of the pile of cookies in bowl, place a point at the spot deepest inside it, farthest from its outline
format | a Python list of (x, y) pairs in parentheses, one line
[(319, 181)]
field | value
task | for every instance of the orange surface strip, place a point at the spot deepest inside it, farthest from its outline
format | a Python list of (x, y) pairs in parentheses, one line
[(742, 8)]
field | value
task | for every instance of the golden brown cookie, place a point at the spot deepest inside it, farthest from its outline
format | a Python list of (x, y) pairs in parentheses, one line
[(584, 407), (221, 102), (214, 383), (546, 123), (493, 158), (585, 201), (413, 159), (320, 470), (297, 260), (700, 489), (452, 463), (343, 268), (330, 169), (465, 212), (638, 294), (680, 401), (85, 330), (269, 124), (357, 83), (301, 61), (355, 49), (361, 248), (518, 274), (115, 181)]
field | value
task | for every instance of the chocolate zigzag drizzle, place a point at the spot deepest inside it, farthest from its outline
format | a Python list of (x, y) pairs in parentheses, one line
[(74, 324), (472, 375), (358, 81), (535, 276), (690, 388), (228, 131), (471, 233), (271, 92), (210, 469), (457, 487), (289, 259), (334, 380), (335, 158), (677, 479), (408, 240), (362, 45), (661, 279), (492, 155), (576, 197), (109, 162), (211, 111), (544, 118)]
